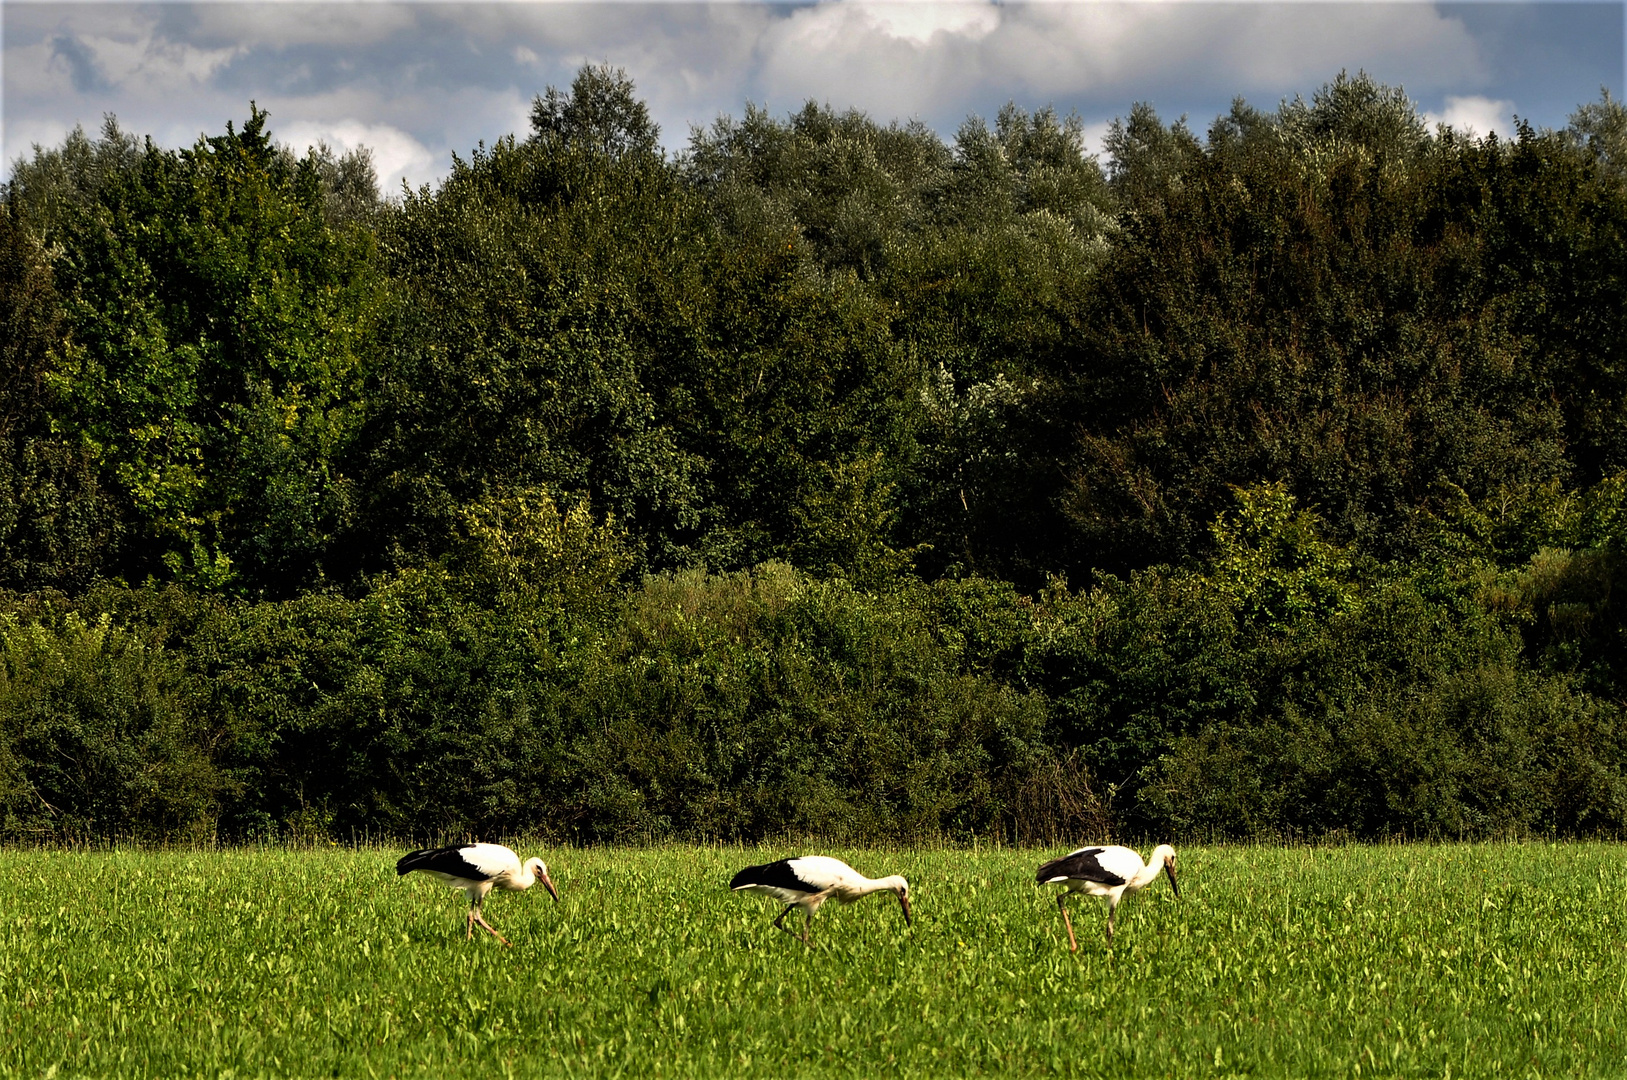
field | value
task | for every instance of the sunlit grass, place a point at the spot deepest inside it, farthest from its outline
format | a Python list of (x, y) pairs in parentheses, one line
[(1492, 960)]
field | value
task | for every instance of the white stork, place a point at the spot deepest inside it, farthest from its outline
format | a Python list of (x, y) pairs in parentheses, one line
[(477, 869), (811, 880), (1108, 872)]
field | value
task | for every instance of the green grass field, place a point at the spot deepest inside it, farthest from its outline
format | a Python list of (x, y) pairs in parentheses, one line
[(1482, 960)]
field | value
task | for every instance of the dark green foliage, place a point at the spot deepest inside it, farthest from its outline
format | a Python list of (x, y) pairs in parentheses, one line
[(1284, 693), (514, 362), (767, 703), (213, 322), (1281, 690), (1328, 297), (837, 182), (57, 522), (1148, 159), (1484, 752), (100, 733), (740, 706), (602, 115), (1558, 560), (574, 319), (1601, 126), (607, 493), (348, 183)]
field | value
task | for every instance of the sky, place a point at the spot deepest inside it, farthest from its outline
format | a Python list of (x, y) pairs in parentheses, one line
[(417, 82)]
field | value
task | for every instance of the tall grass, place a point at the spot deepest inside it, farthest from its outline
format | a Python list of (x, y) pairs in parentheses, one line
[(1474, 960)]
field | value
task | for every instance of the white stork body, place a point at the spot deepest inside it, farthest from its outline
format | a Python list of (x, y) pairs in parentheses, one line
[(1108, 872), (477, 869), (809, 881)]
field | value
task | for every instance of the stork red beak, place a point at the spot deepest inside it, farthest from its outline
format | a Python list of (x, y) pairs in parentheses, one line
[(904, 902), (1169, 868), (548, 884)]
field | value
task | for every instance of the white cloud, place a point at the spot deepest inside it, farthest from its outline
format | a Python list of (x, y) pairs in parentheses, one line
[(1095, 137), (904, 59), (920, 21), (1475, 115), (35, 71), (279, 25), (103, 49), (397, 156), (1416, 44), (1054, 48), (22, 137), (148, 65), (892, 60)]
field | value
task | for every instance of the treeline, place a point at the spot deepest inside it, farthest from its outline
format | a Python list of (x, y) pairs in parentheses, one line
[(823, 477)]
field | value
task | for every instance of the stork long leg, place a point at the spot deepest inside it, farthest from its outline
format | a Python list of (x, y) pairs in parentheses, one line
[(1112, 906), (779, 924), (1073, 946), (477, 919), (490, 929)]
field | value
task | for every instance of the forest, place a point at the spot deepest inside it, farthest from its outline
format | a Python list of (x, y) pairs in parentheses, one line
[(825, 477)]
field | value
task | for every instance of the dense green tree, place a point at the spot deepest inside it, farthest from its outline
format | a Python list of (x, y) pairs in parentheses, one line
[(214, 325), (614, 494), (522, 355), (348, 182), (100, 734), (58, 525), (1601, 126), (602, 115), (1327, 298), (1146, 158), (838, 182), (575, 319)]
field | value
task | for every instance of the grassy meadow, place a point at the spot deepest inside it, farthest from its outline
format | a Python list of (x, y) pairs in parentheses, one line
[(1413, 960)]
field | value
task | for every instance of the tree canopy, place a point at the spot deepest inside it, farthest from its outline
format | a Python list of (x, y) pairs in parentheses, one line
[(1247, 453)]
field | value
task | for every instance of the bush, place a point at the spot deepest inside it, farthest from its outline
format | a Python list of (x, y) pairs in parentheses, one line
[(735, 706), (762, 703), (100, 735), (1487, 752), (1286, 689)]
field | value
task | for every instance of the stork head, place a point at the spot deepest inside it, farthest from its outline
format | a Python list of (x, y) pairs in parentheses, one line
[(1165, 855), (902, 888), (538, 871)]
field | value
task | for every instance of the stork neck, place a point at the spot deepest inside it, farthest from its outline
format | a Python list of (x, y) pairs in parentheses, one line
[(866, 886), (1148, 873)]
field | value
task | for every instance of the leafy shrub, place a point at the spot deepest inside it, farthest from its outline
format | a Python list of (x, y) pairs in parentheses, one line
[(100, 734)]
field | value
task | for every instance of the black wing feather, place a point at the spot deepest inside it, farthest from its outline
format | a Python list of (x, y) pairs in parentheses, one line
[(442, 860), (776, 875), (1079, 866)]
